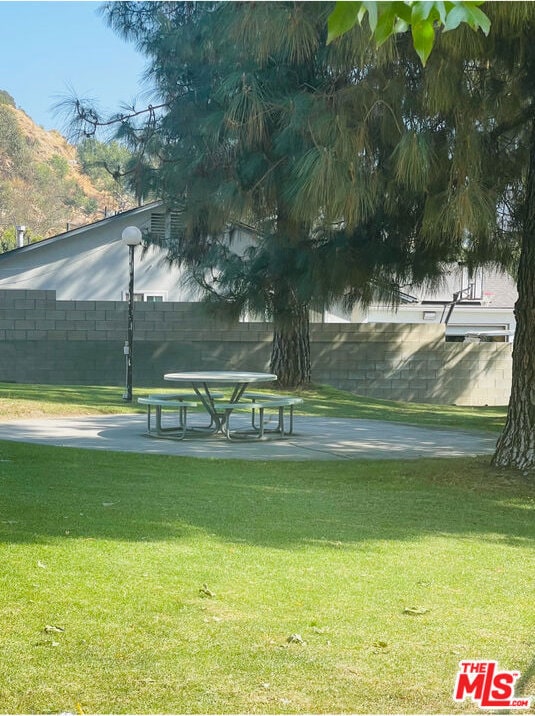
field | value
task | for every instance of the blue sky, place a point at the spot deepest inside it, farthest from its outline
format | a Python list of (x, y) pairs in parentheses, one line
[(50, 48)]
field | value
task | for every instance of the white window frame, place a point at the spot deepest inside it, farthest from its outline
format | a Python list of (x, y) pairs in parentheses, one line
[(143, 296)]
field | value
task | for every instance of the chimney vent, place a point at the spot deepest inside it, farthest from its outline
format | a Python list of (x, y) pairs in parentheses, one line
[(21, 230)]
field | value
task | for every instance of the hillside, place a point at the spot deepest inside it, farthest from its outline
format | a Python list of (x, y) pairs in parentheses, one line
[(42, 185)]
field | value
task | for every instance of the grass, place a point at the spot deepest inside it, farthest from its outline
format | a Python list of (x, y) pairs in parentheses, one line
[(115, 549), (325, 400), (21, 401), (111, 552)]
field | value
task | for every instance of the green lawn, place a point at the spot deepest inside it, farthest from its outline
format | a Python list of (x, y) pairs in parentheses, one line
[(110, 551), (114, 549), (20, 400)]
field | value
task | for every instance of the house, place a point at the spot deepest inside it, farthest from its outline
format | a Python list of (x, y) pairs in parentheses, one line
[(477, 306), (91, 263)]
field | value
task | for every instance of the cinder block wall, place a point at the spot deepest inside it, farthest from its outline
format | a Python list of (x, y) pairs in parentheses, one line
[(410, 362), (81, 342)]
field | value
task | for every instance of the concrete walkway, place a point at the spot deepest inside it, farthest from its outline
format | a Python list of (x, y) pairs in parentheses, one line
[(314, 439)]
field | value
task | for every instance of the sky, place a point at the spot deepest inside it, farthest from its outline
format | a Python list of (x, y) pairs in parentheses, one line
[(49, 50)]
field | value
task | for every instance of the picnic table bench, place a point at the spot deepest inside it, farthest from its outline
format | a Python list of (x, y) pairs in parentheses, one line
[(260, 402), (171, 400), (220, 410), (180, 404)]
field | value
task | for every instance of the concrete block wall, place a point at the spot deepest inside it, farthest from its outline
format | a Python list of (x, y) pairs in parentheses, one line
[(43, 340), (47, 341), (410, 362)]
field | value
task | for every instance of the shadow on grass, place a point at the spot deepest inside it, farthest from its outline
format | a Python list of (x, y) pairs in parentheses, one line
[(330, 402), (96, 395), (319, 401), (134, 497)]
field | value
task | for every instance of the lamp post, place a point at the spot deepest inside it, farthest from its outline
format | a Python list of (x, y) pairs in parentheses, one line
[(131, 237)]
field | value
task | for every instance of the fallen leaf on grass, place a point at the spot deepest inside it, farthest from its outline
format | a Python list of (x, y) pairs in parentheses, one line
[(205, 592), (318, 630), (353, 671), (49, 629), (415, 611), (295, 639)]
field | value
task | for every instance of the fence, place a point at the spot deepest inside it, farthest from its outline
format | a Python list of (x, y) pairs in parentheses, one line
[(43, 340)]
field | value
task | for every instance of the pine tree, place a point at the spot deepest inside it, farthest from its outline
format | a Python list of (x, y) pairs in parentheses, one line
[(486, 89), (328, 151), (312, 146)]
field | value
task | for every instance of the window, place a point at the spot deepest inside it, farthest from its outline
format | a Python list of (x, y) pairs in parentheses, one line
[(494, 333), (147, 296)]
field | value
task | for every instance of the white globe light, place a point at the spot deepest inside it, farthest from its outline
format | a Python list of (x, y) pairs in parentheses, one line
[(132, 236)]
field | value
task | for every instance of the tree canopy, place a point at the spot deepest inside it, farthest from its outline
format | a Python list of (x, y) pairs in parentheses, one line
[(359, 169), (423, 19), (317, 148)]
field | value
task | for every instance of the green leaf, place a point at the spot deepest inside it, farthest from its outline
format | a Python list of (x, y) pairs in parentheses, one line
[(421, 11), (423, 38), (385, 25), (342, 18), (371, 7), (469, 13), (479, 20), (440, 7), (400, 26), (400, 9), (455, 17)]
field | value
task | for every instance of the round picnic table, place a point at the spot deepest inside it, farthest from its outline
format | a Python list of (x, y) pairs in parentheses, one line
[(203, 381)]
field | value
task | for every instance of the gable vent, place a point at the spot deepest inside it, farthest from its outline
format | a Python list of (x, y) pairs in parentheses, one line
[(157, 226), (165, 226)]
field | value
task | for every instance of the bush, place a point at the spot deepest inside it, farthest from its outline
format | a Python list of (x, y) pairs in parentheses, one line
[(6, 98)]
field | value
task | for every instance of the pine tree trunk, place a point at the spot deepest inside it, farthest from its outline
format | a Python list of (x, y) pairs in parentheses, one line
[(516, 446), (290, 351)]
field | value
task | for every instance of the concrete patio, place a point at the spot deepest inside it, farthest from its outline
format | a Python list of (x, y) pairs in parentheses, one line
[(314, 439)]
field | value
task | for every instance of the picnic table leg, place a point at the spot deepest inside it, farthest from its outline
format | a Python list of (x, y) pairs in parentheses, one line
[(280, 425), (217, 419), (203, 393), (259, 430), (182, 421)]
